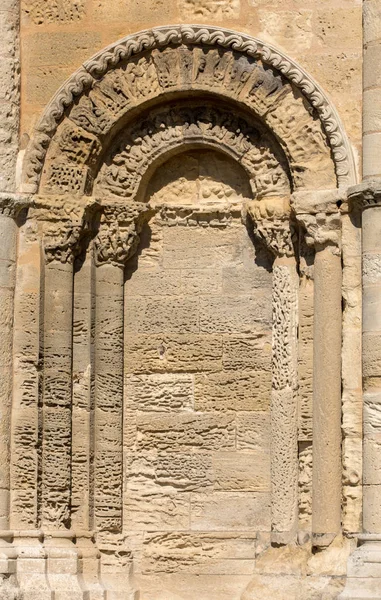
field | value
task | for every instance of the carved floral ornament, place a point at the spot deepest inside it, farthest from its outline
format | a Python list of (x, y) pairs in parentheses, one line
[(365, 195), (273, 225), (82, 116)]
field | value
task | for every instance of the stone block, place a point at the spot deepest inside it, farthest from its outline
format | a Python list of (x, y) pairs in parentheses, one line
[(213, 553), (39, 12), (235, 314), (371, 269), (242, 390), (253, 430), (156, 512), (371, 352), (152, 472), (242, 471), (159, 392), (246, 352), (290, 29), (173, 353), (372, 110), (330, 31), (159, 315), (165, 586), (154, 282), (230, 511), (201, 281), (45, 49), (185, 431), (372, 411), (243, 280), (191, 10)]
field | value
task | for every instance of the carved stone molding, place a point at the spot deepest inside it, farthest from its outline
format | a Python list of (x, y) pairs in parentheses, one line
[(273, 226), (318, 212), (365, 195), (161, 40), (322, 230), (134, 152), (12, 204), (219, 216), (118, 234), (65, 226)]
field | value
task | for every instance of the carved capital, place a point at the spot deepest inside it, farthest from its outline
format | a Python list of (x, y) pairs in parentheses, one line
[(322, 230), (272, 225), (65, 225), (118, 235), (61, 241), (365, 195), (12, 204)]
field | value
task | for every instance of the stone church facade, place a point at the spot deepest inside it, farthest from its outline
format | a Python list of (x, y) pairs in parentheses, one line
[(190, 300)]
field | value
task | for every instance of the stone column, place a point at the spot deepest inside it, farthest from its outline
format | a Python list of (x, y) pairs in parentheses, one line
[(64, 224), (9, 145), (364, 566), (371, 89), (320, 217), (116, 242), (9, 93), (10, 206), (272, 225)]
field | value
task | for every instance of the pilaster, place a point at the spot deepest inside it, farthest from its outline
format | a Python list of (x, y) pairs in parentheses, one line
[(319, 217), (273, 226)]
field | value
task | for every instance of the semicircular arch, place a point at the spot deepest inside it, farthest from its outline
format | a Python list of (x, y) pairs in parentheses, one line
[(165, 63)]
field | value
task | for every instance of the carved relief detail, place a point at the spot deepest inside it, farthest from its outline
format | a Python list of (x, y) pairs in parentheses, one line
[(147, 76), (64, 226), (165, 129), (364, 195), (12, 204), (118, 235), (273, 226), (322, 230)]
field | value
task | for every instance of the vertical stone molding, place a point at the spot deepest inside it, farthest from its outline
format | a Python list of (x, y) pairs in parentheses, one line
[(59, 242), (273, 227), (9, 93), (319, 216), (115, 243), (10, 206), (83, 388), (364, 566), (62, 230), (371, 151)]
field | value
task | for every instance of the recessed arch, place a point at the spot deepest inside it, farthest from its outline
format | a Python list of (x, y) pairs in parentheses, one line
[(163, 63)]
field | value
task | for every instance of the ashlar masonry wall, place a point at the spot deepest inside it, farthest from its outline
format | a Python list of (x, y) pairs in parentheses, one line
[(197, 388)]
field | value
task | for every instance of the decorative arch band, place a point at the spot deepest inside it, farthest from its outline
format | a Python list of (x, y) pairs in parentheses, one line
[(109, 86)]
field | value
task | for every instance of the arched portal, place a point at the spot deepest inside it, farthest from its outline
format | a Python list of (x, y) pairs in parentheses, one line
[(163, 174)]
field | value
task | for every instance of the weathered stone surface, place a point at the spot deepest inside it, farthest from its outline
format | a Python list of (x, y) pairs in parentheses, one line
[(159, 359)]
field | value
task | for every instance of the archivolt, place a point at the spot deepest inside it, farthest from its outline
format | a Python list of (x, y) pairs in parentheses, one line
[(162, 64)]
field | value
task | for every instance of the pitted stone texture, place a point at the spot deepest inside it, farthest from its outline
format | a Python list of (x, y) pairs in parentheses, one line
[(58, 11)]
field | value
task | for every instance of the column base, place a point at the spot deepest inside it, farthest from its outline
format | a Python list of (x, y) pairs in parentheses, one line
[(364, 573)]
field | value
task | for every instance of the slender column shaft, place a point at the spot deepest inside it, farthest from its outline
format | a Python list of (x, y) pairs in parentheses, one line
[(9, 134), (83, 376), (108, 420), (26, 351), (371, 227), (284, 401), (56, 411), (326, 474), (9, 93), (8, 233), (371, 89)]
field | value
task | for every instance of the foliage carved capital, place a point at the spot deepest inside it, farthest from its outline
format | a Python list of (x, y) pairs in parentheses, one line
[(12, 204), (365, 195), (118, 235), (273, 226)]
